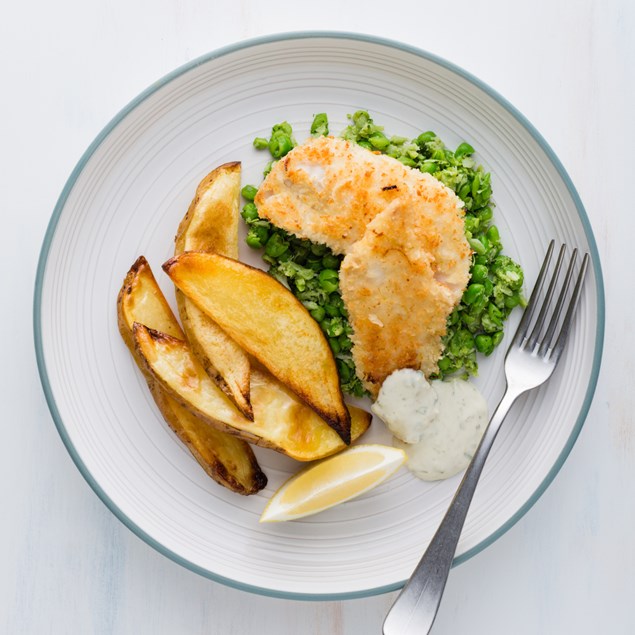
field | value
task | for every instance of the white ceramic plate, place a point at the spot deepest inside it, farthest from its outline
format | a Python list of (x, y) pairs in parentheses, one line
[(126, 197)]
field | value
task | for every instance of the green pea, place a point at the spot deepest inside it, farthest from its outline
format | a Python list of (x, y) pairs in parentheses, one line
[(329, 286), (493, 234), (379, 141), (476, 183), (261, 230), (249, 192), (334, 328), (480, 303), (472, 321), (485, 214), (318, 314), (253, 241), (279, 145), (484, 240), (512, 301), (285, 257), (411, 163), (276, 246), (479, 273), (464, 191), (360, 118), (332, 310), (260, 143), (329, 280), (497, 338), (282, 127), (346, 371), (429, 166), (462, 343), (345, 342), (250, 212), (463, 149), (314, 265), (486, 191), (424, 137), (495, 313), (331, 261), (320, 125), (471, 224), (492, 319), (365, 144), (335, 345), (328, 274), (474, 292), (480, 259), (444, 364), (318, 249), (484, 344)]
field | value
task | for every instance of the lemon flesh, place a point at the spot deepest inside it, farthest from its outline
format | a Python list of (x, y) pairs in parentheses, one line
[(334, 480)]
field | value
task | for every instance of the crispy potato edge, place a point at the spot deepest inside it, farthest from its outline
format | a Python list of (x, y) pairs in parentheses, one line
[(224, 365), (200, 190), (339, 419), (166, 405), (145, 340)]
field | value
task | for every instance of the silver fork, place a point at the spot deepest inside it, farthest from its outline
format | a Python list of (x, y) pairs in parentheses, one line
[(530, 361)]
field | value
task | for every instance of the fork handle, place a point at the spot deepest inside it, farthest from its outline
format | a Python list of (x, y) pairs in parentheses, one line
[(415, 608)]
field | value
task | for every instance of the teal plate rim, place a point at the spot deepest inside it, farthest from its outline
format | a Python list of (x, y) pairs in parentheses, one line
[(296, 35)]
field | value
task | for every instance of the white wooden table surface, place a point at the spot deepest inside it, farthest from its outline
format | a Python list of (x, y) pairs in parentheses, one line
[(66, 564)]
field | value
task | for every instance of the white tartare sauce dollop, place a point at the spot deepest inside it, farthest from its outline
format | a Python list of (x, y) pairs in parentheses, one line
[(407, 404), (438, 424)]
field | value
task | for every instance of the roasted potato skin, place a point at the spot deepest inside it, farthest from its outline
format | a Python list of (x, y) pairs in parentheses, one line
[(228, 460), (211, 221), (281, 421), (211, 224), (270, 323), (138, 285)]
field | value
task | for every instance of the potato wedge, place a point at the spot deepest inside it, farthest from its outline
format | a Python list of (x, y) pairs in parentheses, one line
[(228, 460), (268, 321), (281, 421), (211, 224)]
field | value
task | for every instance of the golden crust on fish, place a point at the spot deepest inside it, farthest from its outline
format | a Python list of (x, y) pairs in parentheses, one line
[(398, 301), (328, 190)]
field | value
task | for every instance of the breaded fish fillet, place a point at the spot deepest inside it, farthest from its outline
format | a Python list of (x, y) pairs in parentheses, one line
[(407, 259), (328, 189), (398, 300)]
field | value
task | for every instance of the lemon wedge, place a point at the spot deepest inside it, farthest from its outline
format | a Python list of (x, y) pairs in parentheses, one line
[(334, 480)]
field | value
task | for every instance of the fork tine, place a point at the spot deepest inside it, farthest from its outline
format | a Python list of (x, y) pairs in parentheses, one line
[(523, 327), (547, 339), (556, 351), (540, 320)]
